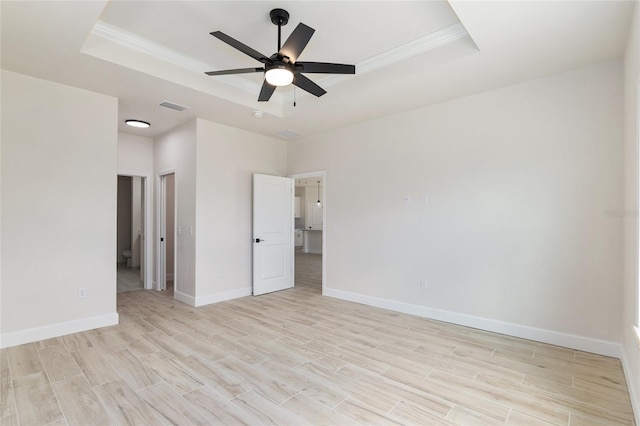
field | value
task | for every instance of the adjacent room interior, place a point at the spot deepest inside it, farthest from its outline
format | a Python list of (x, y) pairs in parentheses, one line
[(451, 212), (130, 240), (309, 231)]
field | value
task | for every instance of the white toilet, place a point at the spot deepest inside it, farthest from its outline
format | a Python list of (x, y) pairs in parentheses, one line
[(127, 255)]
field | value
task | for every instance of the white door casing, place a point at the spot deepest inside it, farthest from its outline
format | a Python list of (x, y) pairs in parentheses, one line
[(162, 252), (272, 233), (335, 230), (146, 263)]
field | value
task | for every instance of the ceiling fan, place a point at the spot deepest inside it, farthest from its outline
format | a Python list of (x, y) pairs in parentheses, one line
[(283, 68)]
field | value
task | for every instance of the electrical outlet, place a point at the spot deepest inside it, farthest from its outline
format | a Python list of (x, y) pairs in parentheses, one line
[(82, 292), (424, 284), (220, 274)]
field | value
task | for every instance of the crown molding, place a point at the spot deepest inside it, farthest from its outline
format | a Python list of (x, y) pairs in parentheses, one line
[(129, 40), (416, 47), (424, 44)]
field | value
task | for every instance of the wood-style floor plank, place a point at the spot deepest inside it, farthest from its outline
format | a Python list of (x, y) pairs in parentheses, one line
[(24, 360), (7, 401), (408, 413), (315, 413), (58, 363), (80, 403), (35, 401), (171, 373), (132, 370), (10, 420), (170, 407), (364, 414), (266, 411), (95, 367), (222, 379), (217, 409), (124, 405), (294, 357)]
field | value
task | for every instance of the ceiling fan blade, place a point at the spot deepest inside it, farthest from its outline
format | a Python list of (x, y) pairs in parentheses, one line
[(296, 42), (266, 92), (236, 71), (325, 68), (241, 47), (305, 84)]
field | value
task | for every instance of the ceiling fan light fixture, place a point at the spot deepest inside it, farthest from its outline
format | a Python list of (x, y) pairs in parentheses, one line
[(279, 76)]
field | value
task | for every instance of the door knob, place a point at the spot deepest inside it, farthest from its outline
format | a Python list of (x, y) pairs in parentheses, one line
[(257, 240)]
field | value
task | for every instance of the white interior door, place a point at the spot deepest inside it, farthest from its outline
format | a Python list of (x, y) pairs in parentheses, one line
[(272, 233)]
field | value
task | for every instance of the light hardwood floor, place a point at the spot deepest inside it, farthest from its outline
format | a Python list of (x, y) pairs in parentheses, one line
[(295, 357)]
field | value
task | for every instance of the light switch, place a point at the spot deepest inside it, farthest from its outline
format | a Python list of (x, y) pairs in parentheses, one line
[(406, 199), (424, 198)]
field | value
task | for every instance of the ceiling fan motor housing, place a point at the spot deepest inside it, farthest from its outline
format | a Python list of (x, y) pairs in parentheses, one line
[(279, 16)]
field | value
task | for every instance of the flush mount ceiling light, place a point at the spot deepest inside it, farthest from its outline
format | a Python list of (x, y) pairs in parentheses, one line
[(137, 123)]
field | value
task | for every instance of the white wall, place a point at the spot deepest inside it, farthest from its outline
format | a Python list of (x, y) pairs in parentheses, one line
[(58, 211), (226, 161), (176, 151), (514, 236), (135, 155), (630, 212)]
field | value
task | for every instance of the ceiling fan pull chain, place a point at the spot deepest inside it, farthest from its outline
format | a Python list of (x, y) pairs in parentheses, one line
[(294, 96)]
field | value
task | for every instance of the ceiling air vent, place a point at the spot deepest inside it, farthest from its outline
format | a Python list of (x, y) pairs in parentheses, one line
[(288, 134), (173, 105)]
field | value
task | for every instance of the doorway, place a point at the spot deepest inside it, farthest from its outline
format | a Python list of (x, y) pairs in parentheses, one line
[(167, 231), (309, 220), (131, 245)]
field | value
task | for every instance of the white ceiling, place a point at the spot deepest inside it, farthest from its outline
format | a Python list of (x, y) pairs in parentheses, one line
[(407, 54)]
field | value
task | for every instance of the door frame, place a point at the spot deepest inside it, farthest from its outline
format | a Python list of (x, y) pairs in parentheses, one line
[(323, 175), (161, 204), (148, 242)]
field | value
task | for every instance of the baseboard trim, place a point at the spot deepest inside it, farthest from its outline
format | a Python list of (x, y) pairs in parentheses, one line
[(313, 251), (184, 298), (572, 341), (222, 296), (55, 330), (633, 392)]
